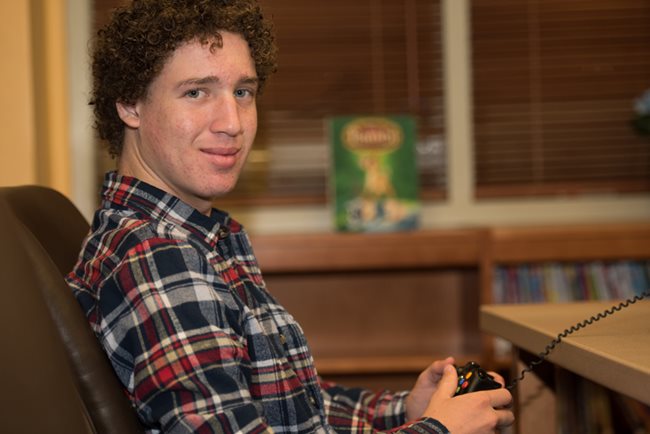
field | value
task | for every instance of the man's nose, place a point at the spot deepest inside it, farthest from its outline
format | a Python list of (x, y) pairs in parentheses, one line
[(227, 116)]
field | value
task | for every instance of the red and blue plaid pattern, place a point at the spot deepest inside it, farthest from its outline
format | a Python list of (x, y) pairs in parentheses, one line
[(178, 302)]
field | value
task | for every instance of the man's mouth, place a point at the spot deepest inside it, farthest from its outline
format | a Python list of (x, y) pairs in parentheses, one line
[(223, 158)]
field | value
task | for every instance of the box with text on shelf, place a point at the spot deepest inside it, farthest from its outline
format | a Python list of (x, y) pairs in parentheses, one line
[(374, 179)]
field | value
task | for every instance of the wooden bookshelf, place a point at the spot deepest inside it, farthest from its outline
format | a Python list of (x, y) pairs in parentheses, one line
[(378, 306), (558, 243), (571, 243), (388, 304)]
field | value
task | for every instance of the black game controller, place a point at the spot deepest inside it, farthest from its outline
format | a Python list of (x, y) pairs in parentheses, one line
[(472, 378)]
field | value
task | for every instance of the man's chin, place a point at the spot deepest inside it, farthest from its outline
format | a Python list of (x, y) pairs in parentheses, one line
[(219, 191)]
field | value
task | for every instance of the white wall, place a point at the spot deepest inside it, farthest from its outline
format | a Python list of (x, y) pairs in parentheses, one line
[(84, 188)]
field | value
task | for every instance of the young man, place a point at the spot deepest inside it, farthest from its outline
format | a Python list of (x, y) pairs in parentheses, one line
[(170, 285)]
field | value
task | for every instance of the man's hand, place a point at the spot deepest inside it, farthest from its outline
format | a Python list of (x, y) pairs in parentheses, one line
[(471, 413), (425, 386)]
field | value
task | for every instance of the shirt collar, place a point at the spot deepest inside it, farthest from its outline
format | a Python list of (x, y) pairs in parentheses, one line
[(153, 203)]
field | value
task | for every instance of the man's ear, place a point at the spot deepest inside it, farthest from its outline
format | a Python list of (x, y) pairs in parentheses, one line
[(128, 113)]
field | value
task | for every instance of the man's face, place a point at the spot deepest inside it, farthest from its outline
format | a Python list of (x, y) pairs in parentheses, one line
[(191, 134)]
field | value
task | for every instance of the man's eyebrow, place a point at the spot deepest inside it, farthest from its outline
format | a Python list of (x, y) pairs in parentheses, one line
[(210, 79), (198, 81), (250, 80)]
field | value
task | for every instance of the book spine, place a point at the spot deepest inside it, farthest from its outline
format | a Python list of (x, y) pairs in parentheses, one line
[(554, 282)]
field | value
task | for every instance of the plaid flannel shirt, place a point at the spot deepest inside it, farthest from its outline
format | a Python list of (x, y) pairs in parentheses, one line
[(178, 303)]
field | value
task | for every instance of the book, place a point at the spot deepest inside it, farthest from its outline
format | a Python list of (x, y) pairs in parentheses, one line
[(563, 282), (374, 178)]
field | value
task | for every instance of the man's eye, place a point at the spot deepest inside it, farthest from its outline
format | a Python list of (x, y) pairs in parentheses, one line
[(193, 93), (242, 93)]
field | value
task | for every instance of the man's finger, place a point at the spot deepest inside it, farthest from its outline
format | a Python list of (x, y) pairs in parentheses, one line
[(449, 381), (505, 417), (499, 398)]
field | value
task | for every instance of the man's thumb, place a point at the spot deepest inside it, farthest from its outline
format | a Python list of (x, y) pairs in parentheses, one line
[(449, 381)]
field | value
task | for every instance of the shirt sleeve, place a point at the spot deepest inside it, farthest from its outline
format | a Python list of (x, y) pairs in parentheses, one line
[(174, 341), (357, 410)]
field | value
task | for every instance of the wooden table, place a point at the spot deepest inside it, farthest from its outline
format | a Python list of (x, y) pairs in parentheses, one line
[(613, 352)]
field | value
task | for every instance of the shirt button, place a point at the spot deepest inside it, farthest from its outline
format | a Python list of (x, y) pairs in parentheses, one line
[(222, 232), (283, 339), (312, 400)]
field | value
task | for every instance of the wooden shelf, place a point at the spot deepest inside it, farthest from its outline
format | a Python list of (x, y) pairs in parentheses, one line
[(416, 293), (570, 243), (342, 251), (292, 253)]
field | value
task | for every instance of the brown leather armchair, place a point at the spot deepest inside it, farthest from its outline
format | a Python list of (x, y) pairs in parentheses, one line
[(56, 377)]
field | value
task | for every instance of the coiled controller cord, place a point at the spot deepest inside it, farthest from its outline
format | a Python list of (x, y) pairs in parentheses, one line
[(555, 342)]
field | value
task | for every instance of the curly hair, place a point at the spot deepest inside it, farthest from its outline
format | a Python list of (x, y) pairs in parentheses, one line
[(130, 51)]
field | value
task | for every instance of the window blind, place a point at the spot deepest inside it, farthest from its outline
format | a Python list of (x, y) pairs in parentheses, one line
[(554, 86), (339, 57)]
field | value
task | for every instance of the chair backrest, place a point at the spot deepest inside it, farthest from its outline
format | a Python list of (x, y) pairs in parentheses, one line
[(53, 219), (63, 377)]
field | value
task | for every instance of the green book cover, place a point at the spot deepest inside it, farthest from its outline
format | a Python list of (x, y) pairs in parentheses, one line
[(374, 177)]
